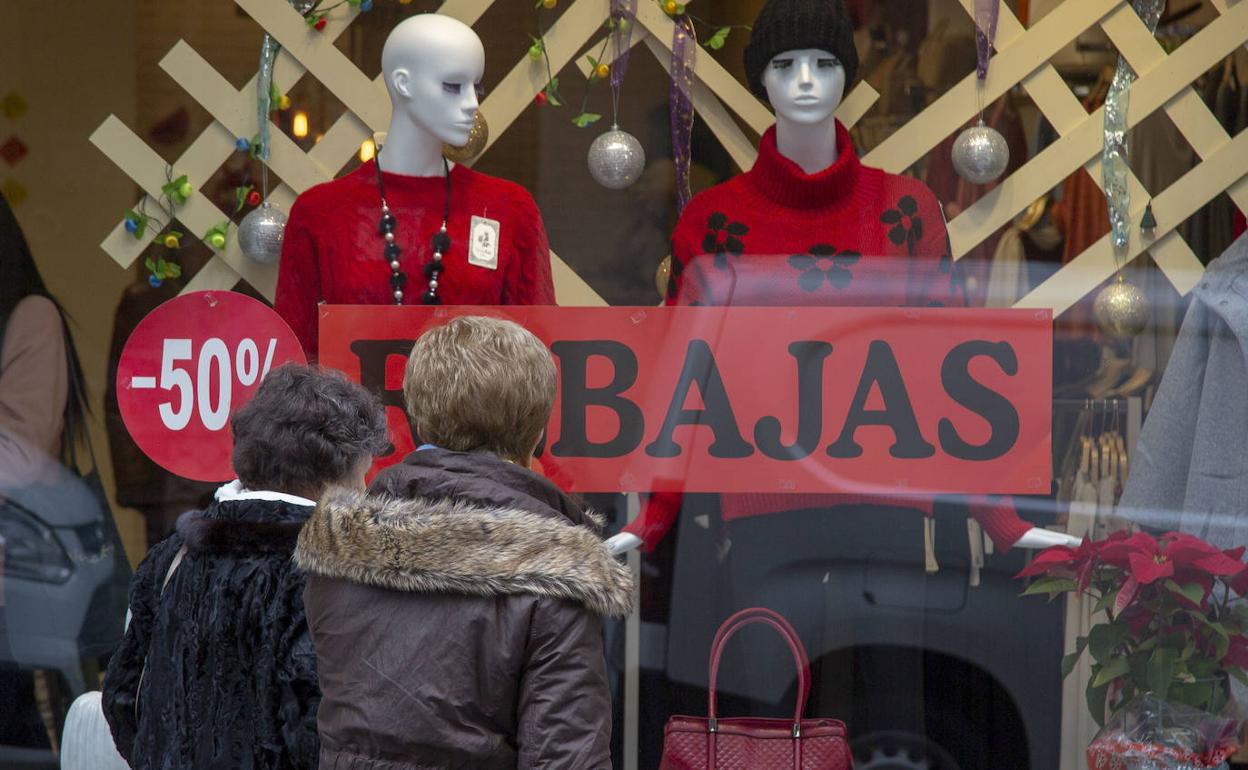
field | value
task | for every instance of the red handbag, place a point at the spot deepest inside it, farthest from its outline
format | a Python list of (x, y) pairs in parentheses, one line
[(747, 743)]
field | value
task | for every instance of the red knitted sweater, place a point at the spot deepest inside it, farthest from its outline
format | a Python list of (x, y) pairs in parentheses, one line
[(849, 235), (333, 248)]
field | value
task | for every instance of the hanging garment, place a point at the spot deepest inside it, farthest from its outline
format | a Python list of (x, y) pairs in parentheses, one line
[(1008, 272), (1189, 471)]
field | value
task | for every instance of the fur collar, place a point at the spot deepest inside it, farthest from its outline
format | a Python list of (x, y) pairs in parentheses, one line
[(245, 528), (448, 546)]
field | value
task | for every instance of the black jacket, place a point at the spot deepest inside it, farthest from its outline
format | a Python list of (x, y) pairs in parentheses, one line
[(457, 618), (231, 673)]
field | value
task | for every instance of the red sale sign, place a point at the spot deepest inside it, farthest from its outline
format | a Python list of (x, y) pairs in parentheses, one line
[(185, 369), (813, 400)]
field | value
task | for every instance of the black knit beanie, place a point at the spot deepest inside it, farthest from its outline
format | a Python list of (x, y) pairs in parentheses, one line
[(789, 25)]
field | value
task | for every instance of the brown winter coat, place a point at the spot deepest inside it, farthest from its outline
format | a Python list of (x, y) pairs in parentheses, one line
[(456, 616)]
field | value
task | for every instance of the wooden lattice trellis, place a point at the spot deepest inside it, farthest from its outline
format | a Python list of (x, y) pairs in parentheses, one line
[(1165, 82)]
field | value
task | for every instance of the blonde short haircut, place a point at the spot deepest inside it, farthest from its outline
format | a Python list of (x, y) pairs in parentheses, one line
[(480, 384)]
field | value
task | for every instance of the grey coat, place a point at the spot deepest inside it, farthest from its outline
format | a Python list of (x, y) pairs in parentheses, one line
[(1190, 470)]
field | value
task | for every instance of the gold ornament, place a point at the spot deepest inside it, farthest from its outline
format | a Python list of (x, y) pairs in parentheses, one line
[(663, 276), (1121, 310), (478, 135)]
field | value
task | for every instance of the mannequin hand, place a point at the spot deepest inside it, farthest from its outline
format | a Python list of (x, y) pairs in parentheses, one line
[(622, 543), (1045, 538)]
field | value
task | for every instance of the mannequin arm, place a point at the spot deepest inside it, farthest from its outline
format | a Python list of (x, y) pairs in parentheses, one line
[(1034, 538), (623, 543), (1039, 539)]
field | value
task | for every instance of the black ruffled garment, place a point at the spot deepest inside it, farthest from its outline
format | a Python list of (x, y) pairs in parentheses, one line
[(231, 671)]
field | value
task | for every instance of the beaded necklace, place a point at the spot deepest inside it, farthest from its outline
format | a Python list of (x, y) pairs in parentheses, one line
[(392, 251)]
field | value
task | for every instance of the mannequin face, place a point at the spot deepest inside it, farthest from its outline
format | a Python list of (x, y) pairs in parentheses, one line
[(804, 86), (433, 67)]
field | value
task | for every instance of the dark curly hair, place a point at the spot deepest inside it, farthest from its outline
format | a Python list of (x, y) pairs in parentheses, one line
[(304, 429)]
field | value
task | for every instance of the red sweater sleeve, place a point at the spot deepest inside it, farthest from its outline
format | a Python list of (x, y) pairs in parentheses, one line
[(529, 281), (299, 280)]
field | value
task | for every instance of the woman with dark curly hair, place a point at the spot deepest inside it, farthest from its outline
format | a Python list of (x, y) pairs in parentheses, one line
[(217, 667)]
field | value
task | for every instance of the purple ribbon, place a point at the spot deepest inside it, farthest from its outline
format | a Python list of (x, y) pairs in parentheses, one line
[(680, 97), (622, 39), (986, 14)]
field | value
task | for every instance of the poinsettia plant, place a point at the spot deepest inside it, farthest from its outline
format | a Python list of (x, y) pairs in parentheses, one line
[(1174, 625)]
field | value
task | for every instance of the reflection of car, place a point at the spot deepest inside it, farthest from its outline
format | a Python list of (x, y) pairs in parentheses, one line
[(64, 589), (927, 670)]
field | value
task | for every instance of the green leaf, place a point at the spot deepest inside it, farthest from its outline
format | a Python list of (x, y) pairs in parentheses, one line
[(716, 41), (586, 119), (275, 94), (1239, 675), (1096, 703), (1104, 638), (150, 264), (1111, 671), (175, 270), (1161, 669), (1193, 592), (552, 97), (1051, 585), (1070, 661), (1106, 601)]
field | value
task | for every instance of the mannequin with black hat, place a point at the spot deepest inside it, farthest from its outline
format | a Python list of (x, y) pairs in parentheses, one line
[(809, 224)]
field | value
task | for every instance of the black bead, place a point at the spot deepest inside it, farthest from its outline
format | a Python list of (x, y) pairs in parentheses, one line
[(433, 269), (393, 251), (441, 242), (429, 298), (398, 280), (386, 225)]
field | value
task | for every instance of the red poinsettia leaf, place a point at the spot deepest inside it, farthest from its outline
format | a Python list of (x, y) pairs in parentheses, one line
[(1185, 550), (1147, 569), (1237, 652), (1236, 553), (1239, 583), (1126, 594), (1117, 552), (1058, 555), (1219, 564)]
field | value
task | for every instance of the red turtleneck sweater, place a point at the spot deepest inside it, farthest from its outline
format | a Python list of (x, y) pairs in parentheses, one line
[(333, 248), (849, 235)]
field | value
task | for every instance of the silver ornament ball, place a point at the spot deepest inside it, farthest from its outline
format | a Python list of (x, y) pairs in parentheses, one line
[(980, 154), (1121, 310), (616, 159), (260, 233)]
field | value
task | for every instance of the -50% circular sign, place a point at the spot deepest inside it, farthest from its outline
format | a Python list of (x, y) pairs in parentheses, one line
[(188, 366)]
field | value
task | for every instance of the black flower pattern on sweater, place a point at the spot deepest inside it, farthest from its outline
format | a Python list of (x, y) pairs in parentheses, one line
[(824, 262), (723, 237), (907, 226)]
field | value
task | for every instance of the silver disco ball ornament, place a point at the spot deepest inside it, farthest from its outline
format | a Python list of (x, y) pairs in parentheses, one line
[(1121, 310), (980, 154), (616, 159), (260, 233)]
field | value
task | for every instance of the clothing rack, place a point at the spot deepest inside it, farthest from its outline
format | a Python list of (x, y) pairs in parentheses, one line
[(1127, 413)]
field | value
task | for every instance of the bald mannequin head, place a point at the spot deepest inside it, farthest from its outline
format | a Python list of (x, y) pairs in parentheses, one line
[(433, 65)]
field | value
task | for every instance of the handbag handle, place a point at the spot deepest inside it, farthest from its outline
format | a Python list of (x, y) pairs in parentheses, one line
[(763, 616)]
